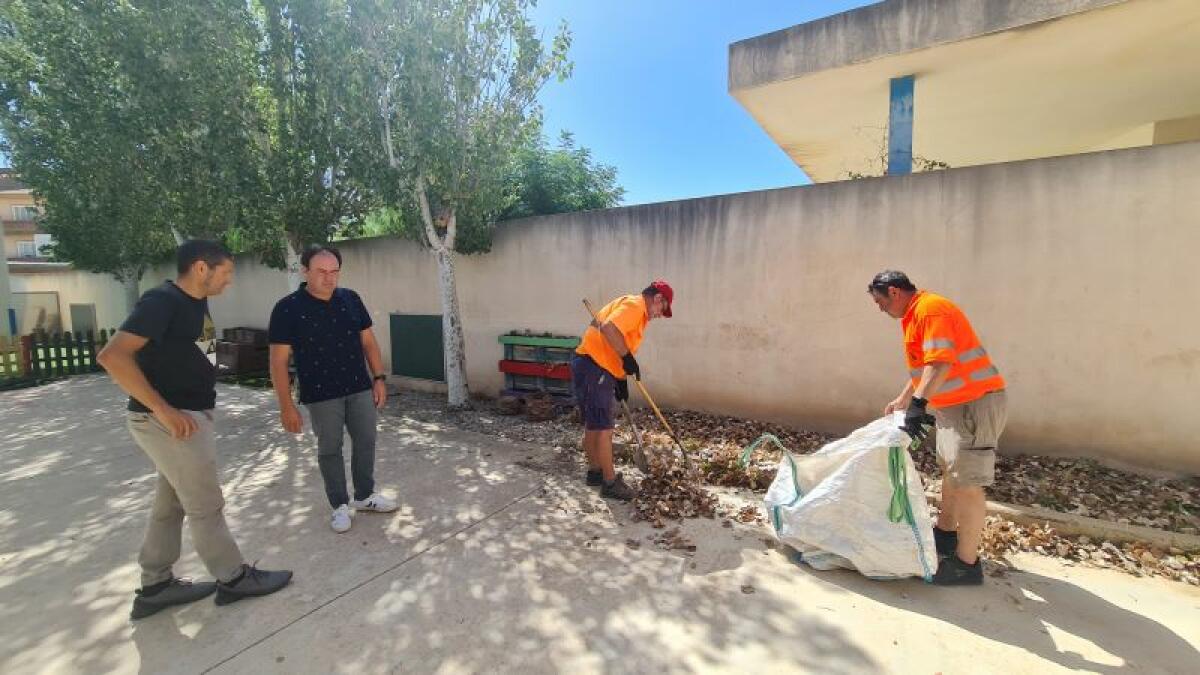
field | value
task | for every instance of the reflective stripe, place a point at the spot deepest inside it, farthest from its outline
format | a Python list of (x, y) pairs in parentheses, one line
[(938, 343), (916, 372), (984, 373), (951, 385), (972, 354)]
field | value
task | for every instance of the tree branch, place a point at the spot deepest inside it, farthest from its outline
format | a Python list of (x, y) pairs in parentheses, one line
[(426, 215), (385, 108)]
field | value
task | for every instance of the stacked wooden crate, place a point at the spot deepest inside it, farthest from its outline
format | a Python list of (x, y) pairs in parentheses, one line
[(537, 364), (243, 351)]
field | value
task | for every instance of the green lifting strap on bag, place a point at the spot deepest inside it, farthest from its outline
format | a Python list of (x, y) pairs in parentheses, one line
[(900, 508), (744, 461)]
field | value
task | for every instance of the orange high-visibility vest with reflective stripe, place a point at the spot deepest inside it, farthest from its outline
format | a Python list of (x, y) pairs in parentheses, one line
[(629, 314), (937, 331)]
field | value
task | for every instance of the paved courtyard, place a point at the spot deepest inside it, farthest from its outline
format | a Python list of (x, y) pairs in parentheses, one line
[(498, 560)]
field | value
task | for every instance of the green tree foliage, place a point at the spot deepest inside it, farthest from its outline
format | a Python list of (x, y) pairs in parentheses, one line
[(543, 180), (456, 83), (130, 122), (313, 100)]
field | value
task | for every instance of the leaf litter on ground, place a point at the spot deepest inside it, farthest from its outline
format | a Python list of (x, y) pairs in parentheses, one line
[(714, 444)]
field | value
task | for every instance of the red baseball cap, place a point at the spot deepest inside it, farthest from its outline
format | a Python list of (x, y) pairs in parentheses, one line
[(667, 292)]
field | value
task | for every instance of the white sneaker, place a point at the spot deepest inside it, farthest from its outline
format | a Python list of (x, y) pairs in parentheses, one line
[(375, 502), (340, 520)]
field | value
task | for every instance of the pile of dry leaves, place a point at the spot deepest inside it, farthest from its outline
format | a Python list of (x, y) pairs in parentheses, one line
[(1067, 485), (719, 462), (539, 407), (671, 495), (670, 492), (715, 442), (1002, 537), (1085, 488), (711, 431)]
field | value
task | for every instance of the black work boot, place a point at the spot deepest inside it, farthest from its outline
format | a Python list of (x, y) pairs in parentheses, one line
[(617, 489), (252, 582), (153, 599), (594, 477), (946, 542), (952, 571)]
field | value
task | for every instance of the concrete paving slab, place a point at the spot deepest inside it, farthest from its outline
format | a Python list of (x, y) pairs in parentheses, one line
[(499, 560), (75, 491), (547, 586)]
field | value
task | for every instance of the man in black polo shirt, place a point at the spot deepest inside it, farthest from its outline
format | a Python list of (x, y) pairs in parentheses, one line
[(156, 359), (328, 330)]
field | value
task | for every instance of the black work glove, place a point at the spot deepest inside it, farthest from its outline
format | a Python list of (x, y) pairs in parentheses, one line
[(630, 365), (917, 420), (622, 389)]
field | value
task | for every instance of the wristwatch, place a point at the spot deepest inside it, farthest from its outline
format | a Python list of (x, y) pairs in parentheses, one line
[(379, 377)]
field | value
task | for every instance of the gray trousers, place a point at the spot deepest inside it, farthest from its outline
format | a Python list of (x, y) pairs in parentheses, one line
[(331, 419), (187, 485)]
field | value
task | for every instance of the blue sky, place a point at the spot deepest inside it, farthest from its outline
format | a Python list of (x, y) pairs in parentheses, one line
[(649, 92)]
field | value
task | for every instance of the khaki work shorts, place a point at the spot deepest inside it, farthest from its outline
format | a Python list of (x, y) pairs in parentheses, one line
[(967, 438)]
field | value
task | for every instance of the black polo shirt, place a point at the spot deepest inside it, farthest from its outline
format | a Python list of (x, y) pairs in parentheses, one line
[(326, 341)]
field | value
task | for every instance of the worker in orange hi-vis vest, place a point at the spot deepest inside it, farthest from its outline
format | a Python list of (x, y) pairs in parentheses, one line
[(951, 373), (602, 362)]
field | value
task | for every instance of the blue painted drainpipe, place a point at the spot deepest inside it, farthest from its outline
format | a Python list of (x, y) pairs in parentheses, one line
[(900, 126)]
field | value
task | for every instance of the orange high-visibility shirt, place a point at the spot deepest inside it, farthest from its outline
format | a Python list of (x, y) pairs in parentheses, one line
[(937, 331), (628, 313)]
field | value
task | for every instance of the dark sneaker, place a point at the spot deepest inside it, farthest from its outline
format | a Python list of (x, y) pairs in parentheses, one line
[(253, 582), (952, 571), (617, 489), (154, 599), (947, 542), (594, 477)]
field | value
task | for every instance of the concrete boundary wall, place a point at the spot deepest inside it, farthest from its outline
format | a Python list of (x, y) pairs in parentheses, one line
[(1078, 273), (77, 287)]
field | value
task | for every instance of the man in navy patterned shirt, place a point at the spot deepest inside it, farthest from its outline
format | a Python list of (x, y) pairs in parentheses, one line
[(328, 331)]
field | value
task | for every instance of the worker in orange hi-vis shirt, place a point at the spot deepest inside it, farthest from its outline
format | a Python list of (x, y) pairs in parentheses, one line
[(599, 369), (950, 372)]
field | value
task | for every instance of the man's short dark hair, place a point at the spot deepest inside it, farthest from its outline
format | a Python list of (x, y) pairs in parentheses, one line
[(317, 249), (195, 250), (651, 291), (890, 279)]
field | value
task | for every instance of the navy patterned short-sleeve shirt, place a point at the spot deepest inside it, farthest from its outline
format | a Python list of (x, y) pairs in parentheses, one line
[(326, 342)]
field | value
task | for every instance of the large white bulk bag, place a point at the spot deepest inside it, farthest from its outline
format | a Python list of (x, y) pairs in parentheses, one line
[(857, 503)]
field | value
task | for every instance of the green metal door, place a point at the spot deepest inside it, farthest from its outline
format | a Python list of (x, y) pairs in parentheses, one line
[(417, 346)]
